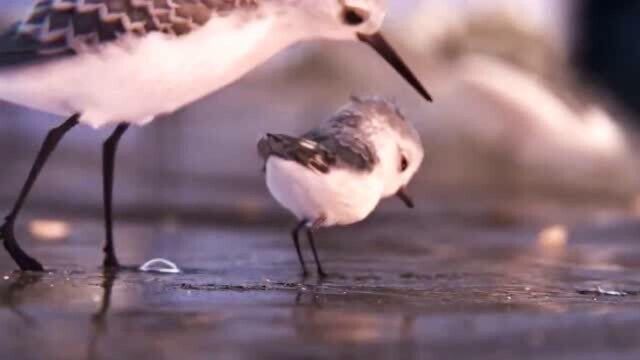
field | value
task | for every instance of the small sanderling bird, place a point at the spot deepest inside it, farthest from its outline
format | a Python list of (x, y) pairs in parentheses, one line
[(103, 62), (337, 173)]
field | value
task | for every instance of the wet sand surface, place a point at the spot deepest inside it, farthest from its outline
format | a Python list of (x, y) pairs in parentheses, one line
[(434, 284)]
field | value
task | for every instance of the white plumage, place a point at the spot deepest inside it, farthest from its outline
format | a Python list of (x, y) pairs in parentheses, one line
[(135, 79), (349, 190), (341, 197)]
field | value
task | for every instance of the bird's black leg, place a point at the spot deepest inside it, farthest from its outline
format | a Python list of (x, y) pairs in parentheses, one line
[(310, 231), (24, 261), (296, 241), (108, 163)]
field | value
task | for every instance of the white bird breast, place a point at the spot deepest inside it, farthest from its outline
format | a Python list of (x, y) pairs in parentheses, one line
[(135, 79), (341, 196)]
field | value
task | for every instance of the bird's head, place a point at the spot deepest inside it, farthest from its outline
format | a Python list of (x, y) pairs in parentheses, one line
[(397, 145), (358, 20), (405, 162)]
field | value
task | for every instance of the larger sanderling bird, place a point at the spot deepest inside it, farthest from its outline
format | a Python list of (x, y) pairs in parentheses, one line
[(337, 174), (103, 62)]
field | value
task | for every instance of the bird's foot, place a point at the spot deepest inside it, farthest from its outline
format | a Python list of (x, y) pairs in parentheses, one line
[(111, 263), (24, 261), (305, 273), (322, 274)]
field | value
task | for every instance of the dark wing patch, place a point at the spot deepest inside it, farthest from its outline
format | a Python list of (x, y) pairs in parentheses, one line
[(305, 152), (346, 136), (344, 141), (60, 27)]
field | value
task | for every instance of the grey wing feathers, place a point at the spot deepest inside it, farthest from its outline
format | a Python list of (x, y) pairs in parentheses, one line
[(303, 151), (348, 150), (347, 136), (319, 151), (58, 27), (344, 141)]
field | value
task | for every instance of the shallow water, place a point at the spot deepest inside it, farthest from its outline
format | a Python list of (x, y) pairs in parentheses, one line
[(447, 286)]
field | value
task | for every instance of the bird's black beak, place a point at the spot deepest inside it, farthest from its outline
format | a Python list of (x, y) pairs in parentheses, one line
[(382, 47), (402, 194)]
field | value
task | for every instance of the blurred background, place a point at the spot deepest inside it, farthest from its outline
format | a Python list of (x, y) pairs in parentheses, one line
[(524, 243), (534, 111)]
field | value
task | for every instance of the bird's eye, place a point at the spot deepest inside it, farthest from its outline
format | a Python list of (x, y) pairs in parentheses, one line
[(404, 164), (354, 17)]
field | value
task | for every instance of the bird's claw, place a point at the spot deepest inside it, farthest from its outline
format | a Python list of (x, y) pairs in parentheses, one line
[(24, 261), (322, 274)]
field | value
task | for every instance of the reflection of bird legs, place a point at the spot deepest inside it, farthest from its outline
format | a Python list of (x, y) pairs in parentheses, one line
[(98, 319), (309, 291), (407, 326), (24, 281)]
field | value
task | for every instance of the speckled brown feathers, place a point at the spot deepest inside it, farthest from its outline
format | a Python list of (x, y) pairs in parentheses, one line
[(56, 27)]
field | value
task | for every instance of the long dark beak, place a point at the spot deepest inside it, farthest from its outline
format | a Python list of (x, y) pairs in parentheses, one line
[(382, 47), (402, 194)]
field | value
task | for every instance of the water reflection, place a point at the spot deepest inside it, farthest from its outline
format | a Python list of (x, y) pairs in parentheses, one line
[(316, 317), (99, 322), (11, 296)]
